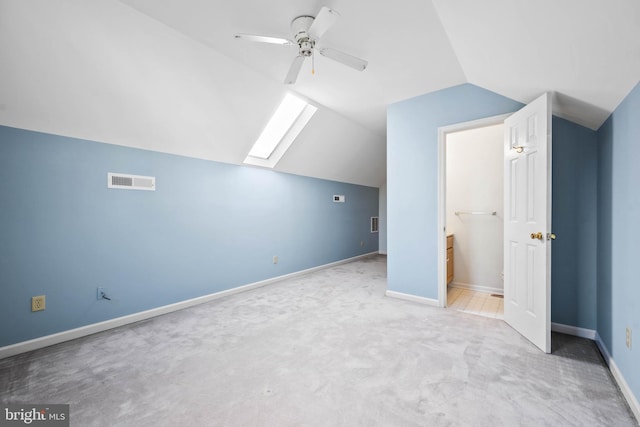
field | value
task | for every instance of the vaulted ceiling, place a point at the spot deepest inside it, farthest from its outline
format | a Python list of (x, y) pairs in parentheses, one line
[(168, 75)]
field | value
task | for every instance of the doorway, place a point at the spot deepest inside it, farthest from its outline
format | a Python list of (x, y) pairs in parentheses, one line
[(474, 182), (527, 223), (471, 215)]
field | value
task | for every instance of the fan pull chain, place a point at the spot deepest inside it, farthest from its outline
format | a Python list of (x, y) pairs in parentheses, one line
[(313, 62)]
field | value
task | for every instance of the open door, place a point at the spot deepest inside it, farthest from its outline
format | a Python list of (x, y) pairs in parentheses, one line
[(527, 224)]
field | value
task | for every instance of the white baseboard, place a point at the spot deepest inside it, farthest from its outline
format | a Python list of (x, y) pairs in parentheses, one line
[(477, 288), (46, 341), (412, 298), (574, 330), (617, 375)]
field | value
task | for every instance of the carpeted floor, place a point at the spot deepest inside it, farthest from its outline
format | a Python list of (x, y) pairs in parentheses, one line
[(326, 349)]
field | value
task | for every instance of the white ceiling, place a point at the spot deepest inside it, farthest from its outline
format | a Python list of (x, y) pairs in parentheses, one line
[(168, 75)]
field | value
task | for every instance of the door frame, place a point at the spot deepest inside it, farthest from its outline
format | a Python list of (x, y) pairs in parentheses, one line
[(442, 193)]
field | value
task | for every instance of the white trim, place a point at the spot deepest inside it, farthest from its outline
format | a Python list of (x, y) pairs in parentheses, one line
[(477, 288), (603, 349), (441, 231), (46, 341), (442, 203), (412, 298), (617, 375), (574, 330)]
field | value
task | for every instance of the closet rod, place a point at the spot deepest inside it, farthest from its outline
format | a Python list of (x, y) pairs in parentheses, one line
[(474, 213)]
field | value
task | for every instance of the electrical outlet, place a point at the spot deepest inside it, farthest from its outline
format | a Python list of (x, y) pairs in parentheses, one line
[(275, 259), (361, 242), (629, 338), (38, 303)]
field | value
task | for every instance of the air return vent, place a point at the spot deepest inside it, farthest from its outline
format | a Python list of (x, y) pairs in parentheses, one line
[(131, 182), (374, 224)]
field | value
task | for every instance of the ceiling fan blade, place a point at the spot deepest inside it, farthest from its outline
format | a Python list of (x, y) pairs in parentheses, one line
[(344, 58), (325, 19), (263, 39), (294, 70)]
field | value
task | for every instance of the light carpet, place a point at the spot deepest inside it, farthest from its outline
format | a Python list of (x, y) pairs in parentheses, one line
[(325, 349)]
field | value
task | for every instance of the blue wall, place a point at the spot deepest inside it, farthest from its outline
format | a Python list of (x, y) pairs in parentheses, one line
[(207, 228), (618, 298), (412, 173), (574, 220), (596, 211), (413, 199)]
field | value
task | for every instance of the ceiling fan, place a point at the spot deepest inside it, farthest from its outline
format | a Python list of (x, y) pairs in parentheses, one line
[(307, 31)]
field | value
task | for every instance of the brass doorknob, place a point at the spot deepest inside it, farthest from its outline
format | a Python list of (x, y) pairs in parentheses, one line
[(537, 235), (551, 236)]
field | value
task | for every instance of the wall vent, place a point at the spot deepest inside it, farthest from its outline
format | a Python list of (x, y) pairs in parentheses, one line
[(337, 198), (131, 182), (374, 224)]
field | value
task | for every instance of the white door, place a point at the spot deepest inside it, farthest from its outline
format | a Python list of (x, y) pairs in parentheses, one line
[(527, 224)]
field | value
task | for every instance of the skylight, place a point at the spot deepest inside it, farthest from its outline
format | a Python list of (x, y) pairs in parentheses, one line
[(285, 125)]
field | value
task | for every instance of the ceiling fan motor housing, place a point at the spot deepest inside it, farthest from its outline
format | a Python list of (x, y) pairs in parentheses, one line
[(300, 28)]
